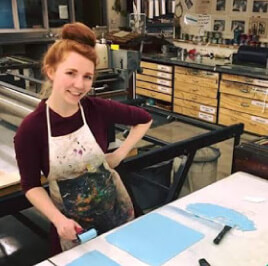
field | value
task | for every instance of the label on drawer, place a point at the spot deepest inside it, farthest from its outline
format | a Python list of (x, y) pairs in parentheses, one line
[(260, 104), (261, 82), (163, 89), (163, 82), (163, 75), (165, 68), (259, 120), (205, 116), (207, 109), (260, 90)]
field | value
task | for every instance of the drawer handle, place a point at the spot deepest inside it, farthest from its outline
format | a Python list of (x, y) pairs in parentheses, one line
[(194, 90), (245, 90), (244, 104)]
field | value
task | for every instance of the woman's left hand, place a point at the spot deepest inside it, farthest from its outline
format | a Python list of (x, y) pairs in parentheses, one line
[(114, 158)]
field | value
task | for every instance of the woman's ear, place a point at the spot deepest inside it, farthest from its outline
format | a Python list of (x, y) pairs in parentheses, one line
[(50, 72)]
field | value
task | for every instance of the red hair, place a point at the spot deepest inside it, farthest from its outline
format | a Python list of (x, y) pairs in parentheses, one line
[(75, 37)]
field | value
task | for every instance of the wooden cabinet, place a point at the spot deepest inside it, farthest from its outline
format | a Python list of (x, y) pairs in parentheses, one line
[(156, 84), (195, 93), (245, 100)]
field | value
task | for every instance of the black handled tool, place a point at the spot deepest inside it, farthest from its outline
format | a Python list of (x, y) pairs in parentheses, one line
[(222, 233), (203, 262)]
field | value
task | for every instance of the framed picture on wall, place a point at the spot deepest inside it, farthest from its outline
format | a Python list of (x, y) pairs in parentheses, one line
[(259, 26), (220, 5), (260, 6), (219, 25), (188, 3), (238, 24), (239, 6), (262, 26)]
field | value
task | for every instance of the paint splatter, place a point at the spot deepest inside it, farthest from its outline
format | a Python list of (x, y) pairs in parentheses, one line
[(222, 215)]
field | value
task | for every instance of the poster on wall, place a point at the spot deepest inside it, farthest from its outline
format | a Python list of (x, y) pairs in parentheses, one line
[(260, 6), (203, 6), (239, 6)]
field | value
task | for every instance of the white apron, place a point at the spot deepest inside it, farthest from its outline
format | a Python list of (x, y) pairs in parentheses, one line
[(81, 183)]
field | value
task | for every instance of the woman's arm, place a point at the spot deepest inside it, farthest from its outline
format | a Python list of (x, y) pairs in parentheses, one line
[(135, 134), (66, 227)]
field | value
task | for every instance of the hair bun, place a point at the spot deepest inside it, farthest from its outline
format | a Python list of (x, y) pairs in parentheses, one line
[(79, 32)]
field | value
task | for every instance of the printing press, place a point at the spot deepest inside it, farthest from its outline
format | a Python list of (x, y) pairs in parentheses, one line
[(20, 82)]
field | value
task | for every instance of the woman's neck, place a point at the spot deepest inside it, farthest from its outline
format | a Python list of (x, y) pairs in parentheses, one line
[(63, 110)]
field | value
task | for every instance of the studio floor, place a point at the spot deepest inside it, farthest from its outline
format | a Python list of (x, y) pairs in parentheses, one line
[(19, 246)]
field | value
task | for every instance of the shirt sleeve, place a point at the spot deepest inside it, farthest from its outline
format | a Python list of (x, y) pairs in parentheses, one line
[(28, 155)]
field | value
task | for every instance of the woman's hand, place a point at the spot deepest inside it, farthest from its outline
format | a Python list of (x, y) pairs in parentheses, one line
[(114, 158), (67, 228)]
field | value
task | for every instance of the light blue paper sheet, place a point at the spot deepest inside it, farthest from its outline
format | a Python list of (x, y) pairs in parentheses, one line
[(154, 238), (222, 215), (93, 258)]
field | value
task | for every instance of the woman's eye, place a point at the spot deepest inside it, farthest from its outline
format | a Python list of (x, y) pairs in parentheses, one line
[(88, 77), (70, 73)]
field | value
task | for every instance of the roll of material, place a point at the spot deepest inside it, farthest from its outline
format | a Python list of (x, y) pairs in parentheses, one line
[(253, 54), (151, 9), (156, 8), (86, 236)]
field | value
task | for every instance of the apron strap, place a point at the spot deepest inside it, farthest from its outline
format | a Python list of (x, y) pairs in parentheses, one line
[(48, 122), (48, 118), (82, 113)]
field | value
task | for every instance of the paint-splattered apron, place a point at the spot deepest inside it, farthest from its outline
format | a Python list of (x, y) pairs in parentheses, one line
[(81, 183)]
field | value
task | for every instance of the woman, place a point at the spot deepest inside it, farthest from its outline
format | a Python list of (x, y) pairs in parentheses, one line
[(66, 139)]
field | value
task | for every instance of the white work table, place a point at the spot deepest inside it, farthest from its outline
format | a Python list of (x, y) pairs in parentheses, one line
[(241, 192)]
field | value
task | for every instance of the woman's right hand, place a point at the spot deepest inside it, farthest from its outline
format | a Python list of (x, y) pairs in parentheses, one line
[(67, 228)]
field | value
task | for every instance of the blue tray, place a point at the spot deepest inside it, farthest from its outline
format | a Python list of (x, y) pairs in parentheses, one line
[(154, 238), (93, 258)]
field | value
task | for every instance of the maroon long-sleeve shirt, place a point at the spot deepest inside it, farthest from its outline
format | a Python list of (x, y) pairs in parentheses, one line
[(31, 139)]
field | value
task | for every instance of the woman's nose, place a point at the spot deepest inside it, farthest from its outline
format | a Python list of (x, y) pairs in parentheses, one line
[(79, 82)]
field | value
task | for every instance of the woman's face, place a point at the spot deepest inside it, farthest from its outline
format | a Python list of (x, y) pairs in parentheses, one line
[(72, 79)]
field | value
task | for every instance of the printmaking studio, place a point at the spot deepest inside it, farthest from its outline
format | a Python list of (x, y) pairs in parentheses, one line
[(133, 132)]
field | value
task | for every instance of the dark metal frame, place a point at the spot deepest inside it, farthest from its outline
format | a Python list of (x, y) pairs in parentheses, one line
[(186, 148), (13, 203)]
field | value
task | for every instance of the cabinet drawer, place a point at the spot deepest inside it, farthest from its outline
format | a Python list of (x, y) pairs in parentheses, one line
[(244, 105), (156, 66), (195, 80), (194, 113), (243, 90), (196, 72), (195, 106), (252, 124), (195, 89), (243, 79), (157, 74), (153, 86), (152, 94), (195, 98), (159, 81)]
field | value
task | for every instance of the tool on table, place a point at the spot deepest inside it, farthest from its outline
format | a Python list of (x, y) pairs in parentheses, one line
[(85, 235), (222, 233), (203, 262), (203, 219)]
